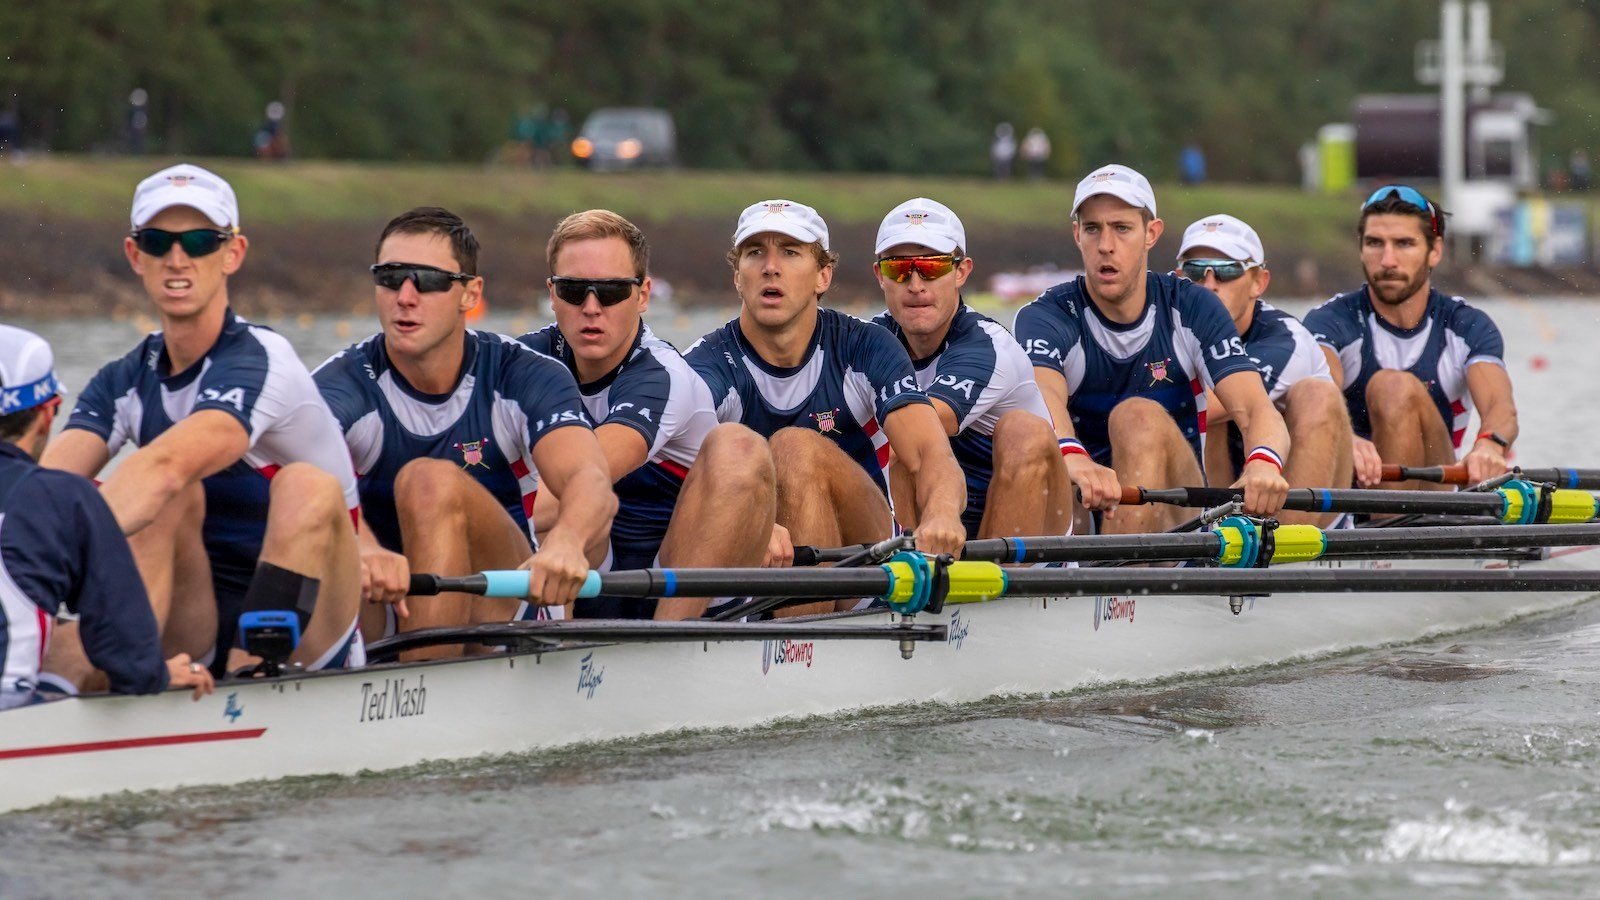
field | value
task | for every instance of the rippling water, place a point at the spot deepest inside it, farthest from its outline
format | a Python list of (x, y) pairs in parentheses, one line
[(1465, 767)]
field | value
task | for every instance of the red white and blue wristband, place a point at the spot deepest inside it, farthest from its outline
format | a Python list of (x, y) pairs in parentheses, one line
[(1266, 454), (1071, 445)]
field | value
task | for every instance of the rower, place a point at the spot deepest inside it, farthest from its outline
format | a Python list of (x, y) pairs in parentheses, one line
[(691, 492), (980, 382), (1414, 362), (831, 394), (61, 550), (1124, 357), (1225, 255), (452, 431), (239, 498)]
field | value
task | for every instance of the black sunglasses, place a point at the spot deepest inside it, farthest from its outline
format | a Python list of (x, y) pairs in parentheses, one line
[(609, 291), (199, 242), (426, 279), (1225, 269)]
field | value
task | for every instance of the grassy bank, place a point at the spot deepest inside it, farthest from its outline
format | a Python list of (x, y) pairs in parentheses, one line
[(284, 194), (312, 225)]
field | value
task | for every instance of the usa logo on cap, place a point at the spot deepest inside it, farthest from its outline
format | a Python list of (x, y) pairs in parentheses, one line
[(916, 218), (776, 208), (1211, 226), (179, 181)]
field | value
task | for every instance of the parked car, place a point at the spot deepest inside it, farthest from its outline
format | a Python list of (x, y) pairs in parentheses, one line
[(620, 137)]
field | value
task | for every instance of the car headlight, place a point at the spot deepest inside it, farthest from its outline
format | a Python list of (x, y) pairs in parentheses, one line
[(629, 149), (582, 148)]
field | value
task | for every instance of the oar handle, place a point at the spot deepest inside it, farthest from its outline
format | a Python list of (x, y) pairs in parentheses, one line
[(1451, 474), (508, 583), (1132, 496)]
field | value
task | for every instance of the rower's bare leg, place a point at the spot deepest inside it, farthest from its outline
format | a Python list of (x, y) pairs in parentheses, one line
[(1319, 435), (825, 499), (451, 525), (1406, 426), (1148, 450), (1029, 493), (172, 562), (724, 512), (309, 533)]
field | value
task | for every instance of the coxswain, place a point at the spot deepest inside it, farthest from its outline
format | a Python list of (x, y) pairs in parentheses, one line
[(978, 379), (239, 497), (61, 551), (452, 432), (691, 492), (1225, 256), (1414, 362), (1124, 357), (832, 394)]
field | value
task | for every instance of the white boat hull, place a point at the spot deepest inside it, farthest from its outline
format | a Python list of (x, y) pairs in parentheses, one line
[(391, 716)]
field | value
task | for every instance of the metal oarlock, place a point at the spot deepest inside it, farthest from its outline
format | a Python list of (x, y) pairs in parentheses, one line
[(1215, 514)]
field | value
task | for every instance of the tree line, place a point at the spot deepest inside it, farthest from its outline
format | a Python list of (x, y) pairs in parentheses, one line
[(910, 86)]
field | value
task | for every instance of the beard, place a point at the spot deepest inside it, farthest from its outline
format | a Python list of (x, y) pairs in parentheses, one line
[(1392, 292)]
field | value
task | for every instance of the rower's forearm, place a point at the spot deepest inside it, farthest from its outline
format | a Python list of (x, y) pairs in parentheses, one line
[(1501, 420), (586, 509), (941, 487), (139, 489), (1265, 428)]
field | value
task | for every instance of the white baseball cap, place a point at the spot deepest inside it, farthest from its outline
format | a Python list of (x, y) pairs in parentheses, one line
[(1228, 235), (27, 370), (186, 185), (1119, 181), (796, 220), (924, 222)]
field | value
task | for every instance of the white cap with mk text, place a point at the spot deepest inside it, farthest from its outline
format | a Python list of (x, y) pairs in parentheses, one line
[(27, 371)]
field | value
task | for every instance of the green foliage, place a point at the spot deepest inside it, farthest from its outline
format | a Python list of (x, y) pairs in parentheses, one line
[(905, 86)]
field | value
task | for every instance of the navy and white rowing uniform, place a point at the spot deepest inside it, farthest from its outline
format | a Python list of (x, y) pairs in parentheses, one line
[(1183, 343), (251, 373), (980, 371), (1451, 337), (852, 377), (1285, 353), (61, 549), (654, 392), (506, 398)]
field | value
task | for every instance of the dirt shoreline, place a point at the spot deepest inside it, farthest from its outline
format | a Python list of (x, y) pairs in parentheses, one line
[(65, 267)]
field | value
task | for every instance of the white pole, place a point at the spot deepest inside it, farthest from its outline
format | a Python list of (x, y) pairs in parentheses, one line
[(1451, 101), (1478, 50)]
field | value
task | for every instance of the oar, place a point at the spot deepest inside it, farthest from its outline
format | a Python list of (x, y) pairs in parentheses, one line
[(1227, 545), (1514, 503), (1580, 479), (911, 585)]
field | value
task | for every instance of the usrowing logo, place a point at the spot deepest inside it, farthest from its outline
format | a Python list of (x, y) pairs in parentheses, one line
[(1158, 371), (777, 207), (786, 652), (1211, 227), (179, 181), (825, 420), (233, 710), (1103, 176), (916, 218), (1107, 609), (589, 675), (472, 453)]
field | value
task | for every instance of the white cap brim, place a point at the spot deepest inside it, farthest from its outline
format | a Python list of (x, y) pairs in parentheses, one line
[(1232, 249), (1127, 193), (918, 236), (777, 225), (158, 201)]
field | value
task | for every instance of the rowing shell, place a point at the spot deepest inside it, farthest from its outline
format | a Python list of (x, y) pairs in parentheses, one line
[(389, 716)]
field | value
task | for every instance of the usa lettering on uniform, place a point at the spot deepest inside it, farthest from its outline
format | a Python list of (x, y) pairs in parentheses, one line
[(233, 397), (1041, 347), (964, 385), (1229, 347)]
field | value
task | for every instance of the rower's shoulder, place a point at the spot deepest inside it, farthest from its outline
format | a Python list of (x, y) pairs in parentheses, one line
[(546, 340), (362, 361), (718, 346), (504, 354), (1348, 304)]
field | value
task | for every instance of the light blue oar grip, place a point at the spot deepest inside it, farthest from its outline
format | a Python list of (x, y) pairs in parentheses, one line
[(514, 583), (506, 583), (591, 585)]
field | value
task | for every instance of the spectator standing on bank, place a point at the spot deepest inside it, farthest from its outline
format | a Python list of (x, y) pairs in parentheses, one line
[(1192, 164), (138, 120), (1582, 175), (1036, 152), (1003, 152)]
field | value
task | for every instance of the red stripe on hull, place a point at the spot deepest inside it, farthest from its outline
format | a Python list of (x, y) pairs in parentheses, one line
[(134, 743)]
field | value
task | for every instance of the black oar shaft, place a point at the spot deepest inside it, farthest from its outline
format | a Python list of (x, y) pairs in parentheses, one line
[(1223, 582), (1350, 501)]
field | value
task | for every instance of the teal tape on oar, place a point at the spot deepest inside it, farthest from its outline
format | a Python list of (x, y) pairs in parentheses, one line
[(921, 583), (513, 583), (1249, 542)]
